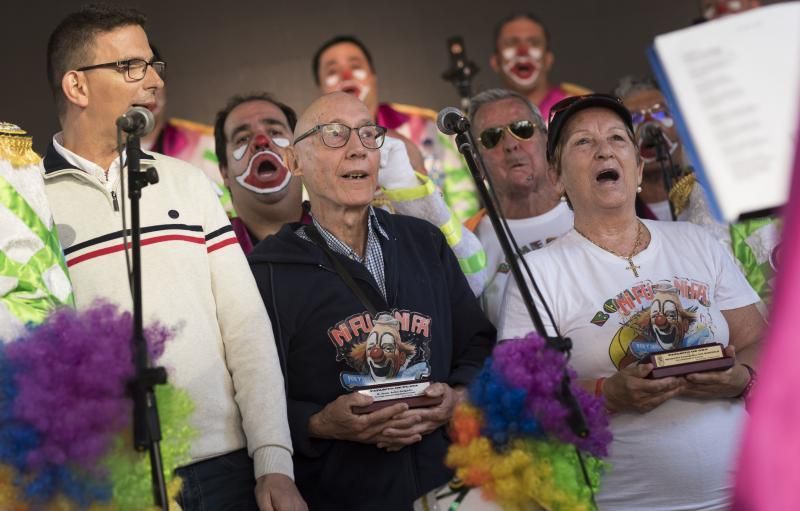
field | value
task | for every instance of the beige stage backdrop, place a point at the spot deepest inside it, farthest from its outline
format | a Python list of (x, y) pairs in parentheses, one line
[(215, 49)]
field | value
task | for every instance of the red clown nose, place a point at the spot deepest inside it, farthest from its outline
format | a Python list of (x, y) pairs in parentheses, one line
[(260, 140)]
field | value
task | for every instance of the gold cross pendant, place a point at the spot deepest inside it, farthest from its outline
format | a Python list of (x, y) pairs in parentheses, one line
[(632, 267)]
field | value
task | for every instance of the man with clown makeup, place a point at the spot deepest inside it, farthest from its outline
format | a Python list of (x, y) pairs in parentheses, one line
[(713, 9), (251, 134), (523, 57)]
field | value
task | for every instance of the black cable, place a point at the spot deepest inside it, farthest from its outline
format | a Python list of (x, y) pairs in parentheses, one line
[(585, 475), (520, 256), (663, 156), (122, 209)]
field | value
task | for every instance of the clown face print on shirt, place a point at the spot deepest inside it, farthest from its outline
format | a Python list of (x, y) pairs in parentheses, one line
[(660, 316), (392, 347)]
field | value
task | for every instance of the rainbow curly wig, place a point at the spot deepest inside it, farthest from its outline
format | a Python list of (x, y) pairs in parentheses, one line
[(510, 437), (65, 417)]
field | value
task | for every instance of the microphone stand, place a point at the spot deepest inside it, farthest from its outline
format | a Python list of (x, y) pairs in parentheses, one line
[(461, 71), (146, 426), (466, 146)]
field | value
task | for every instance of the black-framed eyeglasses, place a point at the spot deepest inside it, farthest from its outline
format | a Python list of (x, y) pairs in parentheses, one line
[(135, 69), (521, 130), (336, 134)]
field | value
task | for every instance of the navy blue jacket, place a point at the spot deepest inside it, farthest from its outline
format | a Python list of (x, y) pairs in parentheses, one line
[(318, 322)]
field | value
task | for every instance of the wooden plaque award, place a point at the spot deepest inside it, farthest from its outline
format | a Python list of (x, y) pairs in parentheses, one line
[(695, 359), (387, 394)]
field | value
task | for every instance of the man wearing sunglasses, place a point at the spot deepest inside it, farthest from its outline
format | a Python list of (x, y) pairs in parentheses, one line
[(195, 277), (361, 297), (512, 141)]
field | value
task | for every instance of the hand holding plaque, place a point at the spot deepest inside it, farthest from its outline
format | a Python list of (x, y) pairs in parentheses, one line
[(681, 361), (386, 394), (428, 419)]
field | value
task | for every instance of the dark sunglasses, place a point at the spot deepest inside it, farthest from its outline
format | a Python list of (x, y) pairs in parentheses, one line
[(521, 130)]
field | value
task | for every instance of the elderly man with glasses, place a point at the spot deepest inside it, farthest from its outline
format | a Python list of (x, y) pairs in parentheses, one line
[(512, 141), (363, 297), (195, 276)]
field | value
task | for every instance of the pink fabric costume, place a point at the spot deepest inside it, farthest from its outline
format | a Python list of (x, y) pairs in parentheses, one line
[(769, 464)]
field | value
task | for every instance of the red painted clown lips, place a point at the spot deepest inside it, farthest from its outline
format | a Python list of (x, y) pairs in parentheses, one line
[(524, 68), (266, 173), (351, 87), (522, 64)]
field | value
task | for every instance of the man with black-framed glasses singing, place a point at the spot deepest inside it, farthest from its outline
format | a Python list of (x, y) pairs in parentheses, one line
[(362, 297), (512, 140), (195, 277)]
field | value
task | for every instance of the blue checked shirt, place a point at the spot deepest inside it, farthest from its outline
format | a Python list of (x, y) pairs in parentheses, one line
[(373, 256)]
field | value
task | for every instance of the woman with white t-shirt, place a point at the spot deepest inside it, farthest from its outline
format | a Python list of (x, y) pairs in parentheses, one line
[(622, 288)]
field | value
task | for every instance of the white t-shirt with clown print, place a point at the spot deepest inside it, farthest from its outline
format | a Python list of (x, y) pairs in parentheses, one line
[(679, 456), (531, 234)]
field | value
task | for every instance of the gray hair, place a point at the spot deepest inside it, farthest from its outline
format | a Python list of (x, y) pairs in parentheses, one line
[(629, 85), (490, 96)]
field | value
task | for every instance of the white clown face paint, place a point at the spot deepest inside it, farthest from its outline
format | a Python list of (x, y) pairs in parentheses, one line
[(522, 67), (267, 172), (240, 151), (350, 81)]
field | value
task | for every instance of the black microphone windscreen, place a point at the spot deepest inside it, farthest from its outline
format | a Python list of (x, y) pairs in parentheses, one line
[(448, 119), (651, 135), (138, 120)]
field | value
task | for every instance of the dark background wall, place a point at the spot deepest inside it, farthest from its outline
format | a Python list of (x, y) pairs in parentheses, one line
[(218, 48)]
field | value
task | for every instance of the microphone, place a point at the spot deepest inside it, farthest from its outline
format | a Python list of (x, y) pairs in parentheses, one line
[(137, 121), (451, 120), (652, 136)]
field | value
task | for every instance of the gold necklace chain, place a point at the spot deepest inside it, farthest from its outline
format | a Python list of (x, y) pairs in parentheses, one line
[(629, 257)]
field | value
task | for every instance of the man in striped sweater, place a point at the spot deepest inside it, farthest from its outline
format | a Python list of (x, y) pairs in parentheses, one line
[(194, 274)]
